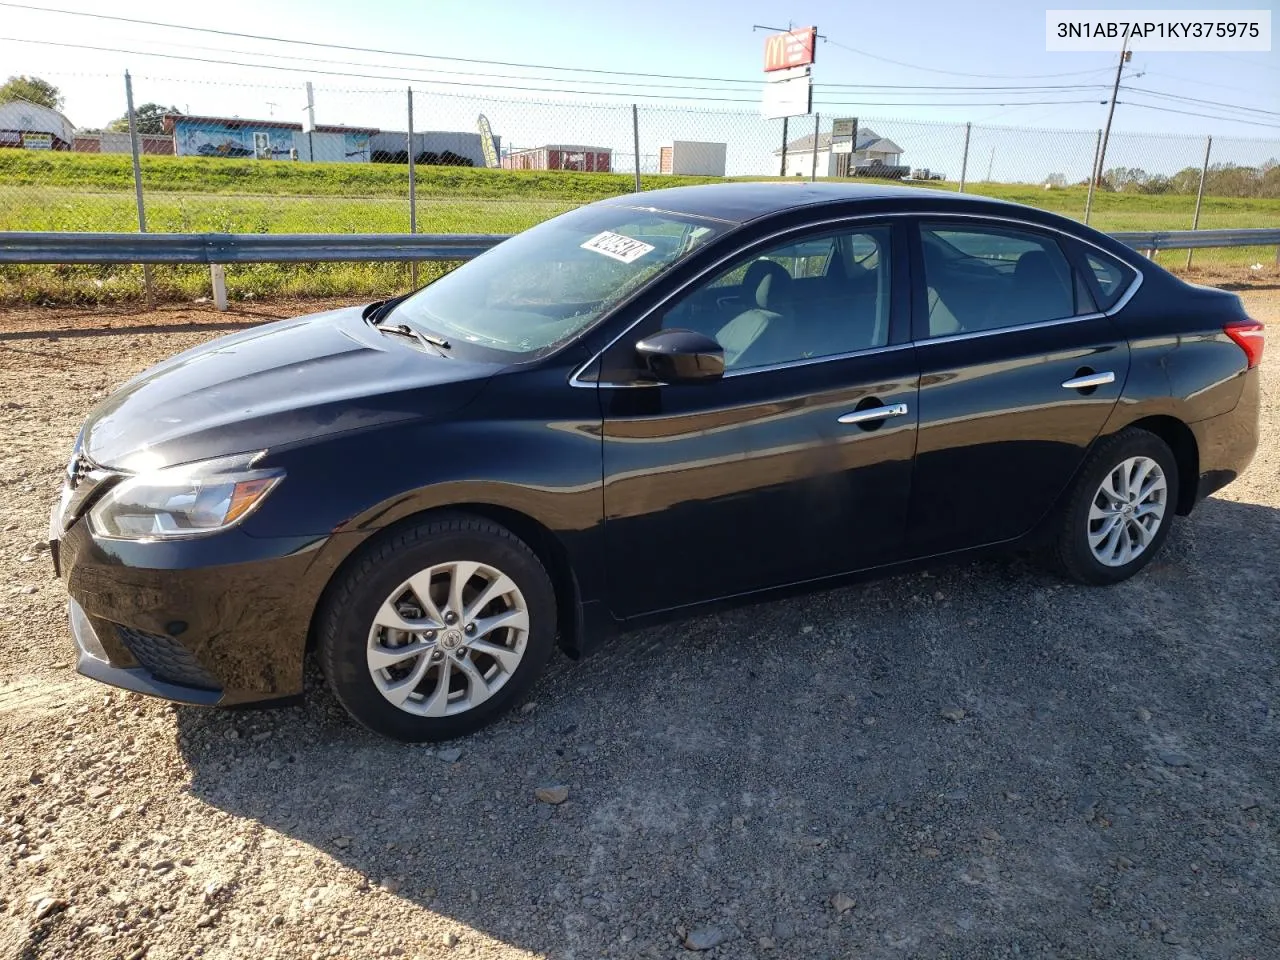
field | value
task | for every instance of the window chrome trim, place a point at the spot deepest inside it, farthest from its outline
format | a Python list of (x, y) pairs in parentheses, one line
[(809, 361), (1018, 328), (575, 381)]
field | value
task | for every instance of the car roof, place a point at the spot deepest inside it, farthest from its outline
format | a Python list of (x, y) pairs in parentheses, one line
[(744, 201)]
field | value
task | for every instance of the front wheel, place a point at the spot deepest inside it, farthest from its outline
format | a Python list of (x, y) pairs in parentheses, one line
[(438, 629), (1120, 510)]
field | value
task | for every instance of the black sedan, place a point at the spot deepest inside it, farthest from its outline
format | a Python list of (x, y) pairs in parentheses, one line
[(647, 405)]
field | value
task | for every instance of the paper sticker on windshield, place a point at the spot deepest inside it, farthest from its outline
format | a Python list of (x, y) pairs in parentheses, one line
[(617, 246)]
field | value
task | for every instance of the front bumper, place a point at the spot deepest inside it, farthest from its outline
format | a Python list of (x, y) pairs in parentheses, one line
[(220, 620), (92, 662)]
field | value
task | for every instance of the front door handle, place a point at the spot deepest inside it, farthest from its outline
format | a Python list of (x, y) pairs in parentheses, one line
[(874, 413), (1089, 380)]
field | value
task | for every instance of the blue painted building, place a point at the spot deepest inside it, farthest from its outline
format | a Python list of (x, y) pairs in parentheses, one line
[(232, 137)]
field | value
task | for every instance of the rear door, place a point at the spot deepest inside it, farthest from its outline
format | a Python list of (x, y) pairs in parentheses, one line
[(1019, 372)]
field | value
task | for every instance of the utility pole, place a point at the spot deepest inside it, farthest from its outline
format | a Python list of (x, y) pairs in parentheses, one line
[(311, 121), (413, 194), (783, 172), (148, 287), (1125, 57)]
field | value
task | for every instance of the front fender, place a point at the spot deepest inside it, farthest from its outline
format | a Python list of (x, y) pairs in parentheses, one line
[(544, 465)]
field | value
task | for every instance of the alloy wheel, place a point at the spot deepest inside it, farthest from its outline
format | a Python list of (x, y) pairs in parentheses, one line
[(1127, 511), (448, 638)]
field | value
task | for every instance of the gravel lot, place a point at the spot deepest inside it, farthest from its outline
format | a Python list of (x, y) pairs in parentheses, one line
[(978, 761)]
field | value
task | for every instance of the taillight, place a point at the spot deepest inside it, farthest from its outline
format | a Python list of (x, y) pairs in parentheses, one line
[(1250, 336)]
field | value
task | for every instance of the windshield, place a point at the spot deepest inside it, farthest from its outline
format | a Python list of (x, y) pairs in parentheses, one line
[(541, 287)]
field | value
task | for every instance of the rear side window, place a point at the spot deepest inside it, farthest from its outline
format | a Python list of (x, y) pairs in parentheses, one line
[(982, 278), (1111, 278)]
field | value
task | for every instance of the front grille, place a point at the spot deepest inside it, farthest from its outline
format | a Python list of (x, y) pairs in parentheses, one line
[(166, 659)]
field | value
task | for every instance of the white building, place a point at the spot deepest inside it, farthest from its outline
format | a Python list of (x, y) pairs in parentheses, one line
[(693, 157), (33, 127), (871, 148), (430, 146)]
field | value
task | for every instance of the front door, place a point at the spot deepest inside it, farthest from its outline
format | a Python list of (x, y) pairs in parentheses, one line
[(797, 464), (1019, 372)]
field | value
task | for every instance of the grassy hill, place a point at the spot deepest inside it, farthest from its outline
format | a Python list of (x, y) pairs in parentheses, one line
[(94, 192)]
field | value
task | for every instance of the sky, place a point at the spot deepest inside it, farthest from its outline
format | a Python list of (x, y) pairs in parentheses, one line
[(938, 44)]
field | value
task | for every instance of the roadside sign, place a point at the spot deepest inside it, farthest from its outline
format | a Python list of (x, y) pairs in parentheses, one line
[(787, 98), (37, 141), (794, 48), (844, 134)]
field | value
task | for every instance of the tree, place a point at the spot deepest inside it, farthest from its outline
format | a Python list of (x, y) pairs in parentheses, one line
[(33, 90), (149, 116)]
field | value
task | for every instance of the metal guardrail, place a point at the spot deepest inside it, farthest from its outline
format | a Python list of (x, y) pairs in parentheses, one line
[(225, 248), (216, 250), (1199, 239)]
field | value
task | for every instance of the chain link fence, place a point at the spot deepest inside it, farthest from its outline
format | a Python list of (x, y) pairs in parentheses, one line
[(301, 159)]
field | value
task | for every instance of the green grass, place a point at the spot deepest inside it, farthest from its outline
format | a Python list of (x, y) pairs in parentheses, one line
[(87, 192)]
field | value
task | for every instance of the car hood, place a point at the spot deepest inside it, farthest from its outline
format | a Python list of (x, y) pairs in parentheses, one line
[(281, 383)]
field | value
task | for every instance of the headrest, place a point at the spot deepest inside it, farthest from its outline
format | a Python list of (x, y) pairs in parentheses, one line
[(768, 281), (1035, 266)]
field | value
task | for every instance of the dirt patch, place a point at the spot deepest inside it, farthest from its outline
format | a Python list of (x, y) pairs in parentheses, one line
[(976, 761)]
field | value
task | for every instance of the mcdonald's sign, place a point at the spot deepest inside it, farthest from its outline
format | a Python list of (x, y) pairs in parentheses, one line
[(782, 51)]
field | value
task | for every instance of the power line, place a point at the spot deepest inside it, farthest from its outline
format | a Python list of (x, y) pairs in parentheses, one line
[(958, 73), (1188, 113), (1202, 83), (450, 83), (356, 49), (1211, 103), (504, 63), (347, 73), (886, 89)]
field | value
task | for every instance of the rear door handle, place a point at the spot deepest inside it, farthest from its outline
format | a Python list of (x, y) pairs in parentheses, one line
[(1089, 380), (874, 413)]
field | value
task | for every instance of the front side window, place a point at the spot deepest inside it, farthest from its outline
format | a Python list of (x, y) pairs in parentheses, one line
[(543, 286), (981, 278), (818, 297)]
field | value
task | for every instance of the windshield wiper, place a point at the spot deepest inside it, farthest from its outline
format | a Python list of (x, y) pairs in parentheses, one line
[(439, 344)]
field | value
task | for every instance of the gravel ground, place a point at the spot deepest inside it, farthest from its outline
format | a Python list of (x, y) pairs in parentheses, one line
[(977, 761)]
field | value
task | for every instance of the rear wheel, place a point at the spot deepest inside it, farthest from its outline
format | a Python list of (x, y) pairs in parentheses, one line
[(439, 629), (1121, 509)]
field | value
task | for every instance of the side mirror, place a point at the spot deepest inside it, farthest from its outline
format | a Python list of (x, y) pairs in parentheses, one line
[(681, 356)]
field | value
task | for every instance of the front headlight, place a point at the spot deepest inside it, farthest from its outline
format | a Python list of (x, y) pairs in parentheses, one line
[(184, 501)]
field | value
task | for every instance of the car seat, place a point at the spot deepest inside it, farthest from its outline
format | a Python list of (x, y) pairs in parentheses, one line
[(770, 286), (1039, 291)]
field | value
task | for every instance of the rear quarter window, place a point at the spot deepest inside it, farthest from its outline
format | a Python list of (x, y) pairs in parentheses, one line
[(1110, 278)]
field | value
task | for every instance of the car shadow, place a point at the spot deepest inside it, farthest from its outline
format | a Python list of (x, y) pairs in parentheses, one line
[(978, 758)]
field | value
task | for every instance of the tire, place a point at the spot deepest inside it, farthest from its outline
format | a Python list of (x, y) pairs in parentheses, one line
[(390, 679), (1124, 457)]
